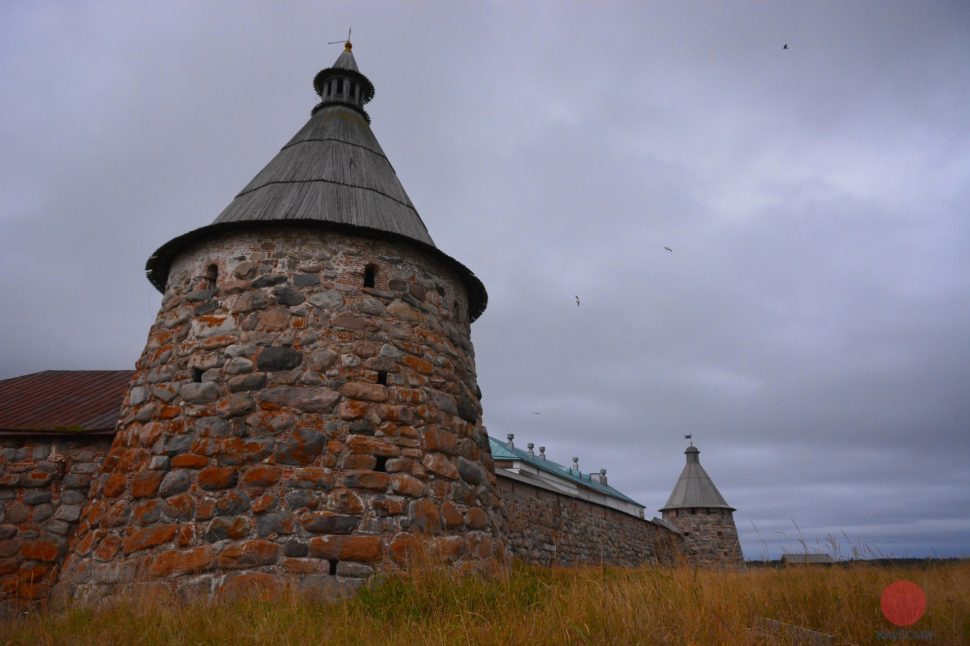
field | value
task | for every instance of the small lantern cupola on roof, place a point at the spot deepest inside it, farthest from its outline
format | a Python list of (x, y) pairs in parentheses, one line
[(343, 84)]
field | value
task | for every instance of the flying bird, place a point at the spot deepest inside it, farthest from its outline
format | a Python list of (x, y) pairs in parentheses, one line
[(577, 301), (536, 412), (786, 46), (669, 249)]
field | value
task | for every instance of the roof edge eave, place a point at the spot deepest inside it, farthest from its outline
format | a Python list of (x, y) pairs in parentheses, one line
[(158, 264), (675, 507)]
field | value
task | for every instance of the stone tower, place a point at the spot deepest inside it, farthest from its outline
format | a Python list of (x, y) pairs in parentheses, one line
[(699, 512), (305, 412)]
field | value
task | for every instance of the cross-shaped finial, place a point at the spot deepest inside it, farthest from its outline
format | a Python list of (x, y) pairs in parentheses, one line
[(346, 43)]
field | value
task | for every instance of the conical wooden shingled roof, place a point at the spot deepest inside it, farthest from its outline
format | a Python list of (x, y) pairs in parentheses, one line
[(694, 488), (332, 170), (332, 173)]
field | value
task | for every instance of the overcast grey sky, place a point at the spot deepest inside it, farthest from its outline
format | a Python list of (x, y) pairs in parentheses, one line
[(811, 327)]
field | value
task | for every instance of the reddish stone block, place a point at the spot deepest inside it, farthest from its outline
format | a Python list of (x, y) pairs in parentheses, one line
[(440, 440), (249, 554), (180, 507), (118, 514), (439, 489), (264, 503), (142, 539), (359, 462), (438, 463), (189, 461), (212, 478), (388, 506), (363, 549), (114, 486), (43, 549), (375, 480), (205, 508), (363, 391), (242, 451), (407, 485), (186, 536), (262, 476), (451, 515), (29, 589), (476, 518), (145, 483), (408, 395), (345, 501), (320, 478), (404, 548), (132, 459), (419, 365), (352, 409), (182, 562), (108, 547), (36, 479), (146, 512), (86, 542), (169, 412), (372, 446)]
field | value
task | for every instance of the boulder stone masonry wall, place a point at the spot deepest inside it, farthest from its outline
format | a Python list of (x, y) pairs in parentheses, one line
[(546, 528), (44, 482), (710, 537), (288, 426)]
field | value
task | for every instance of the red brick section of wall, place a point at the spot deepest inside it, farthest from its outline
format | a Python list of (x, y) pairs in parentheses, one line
[(44, 482), (287, 425), (547, 528)]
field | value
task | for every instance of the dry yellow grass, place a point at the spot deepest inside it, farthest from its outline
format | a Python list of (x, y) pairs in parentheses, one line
[(529, 605)]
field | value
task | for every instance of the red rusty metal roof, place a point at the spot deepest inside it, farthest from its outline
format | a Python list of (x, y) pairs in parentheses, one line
[(63, 401)]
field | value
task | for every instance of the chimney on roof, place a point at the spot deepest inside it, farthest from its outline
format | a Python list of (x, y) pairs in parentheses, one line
[(530, 446), (575, 467), (510, 437), (542, 453), (600, 477)]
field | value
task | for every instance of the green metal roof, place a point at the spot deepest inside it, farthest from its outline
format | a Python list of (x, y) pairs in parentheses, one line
[(501, 451)]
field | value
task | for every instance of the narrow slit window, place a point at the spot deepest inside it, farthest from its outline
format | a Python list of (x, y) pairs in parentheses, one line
[(382, 377), (370, 275), (381, 463), (333, 566), (211, 276), (340, 86), (197, 375)]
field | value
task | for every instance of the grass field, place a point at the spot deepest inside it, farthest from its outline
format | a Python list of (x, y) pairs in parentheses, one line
[(531, 605)]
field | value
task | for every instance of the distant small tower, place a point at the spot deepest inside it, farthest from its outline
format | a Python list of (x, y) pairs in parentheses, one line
[(698, 510), (305, 413)]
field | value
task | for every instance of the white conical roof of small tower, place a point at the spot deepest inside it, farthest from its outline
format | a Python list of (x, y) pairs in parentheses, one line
[(694, 487)]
